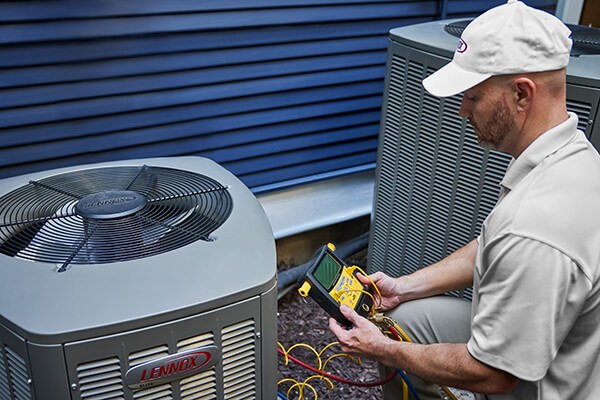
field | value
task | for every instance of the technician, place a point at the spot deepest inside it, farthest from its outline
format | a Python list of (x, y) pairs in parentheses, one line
[(532, 330)]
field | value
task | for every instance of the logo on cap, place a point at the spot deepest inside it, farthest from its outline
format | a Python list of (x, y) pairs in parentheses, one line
[(462, 46)]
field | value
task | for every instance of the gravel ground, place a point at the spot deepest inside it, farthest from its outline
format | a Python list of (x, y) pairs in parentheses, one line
[(305, 322)]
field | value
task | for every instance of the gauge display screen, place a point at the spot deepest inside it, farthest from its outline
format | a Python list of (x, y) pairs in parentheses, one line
[(327, 271)]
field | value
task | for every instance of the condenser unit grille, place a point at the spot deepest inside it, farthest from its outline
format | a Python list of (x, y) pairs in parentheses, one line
[(98, 367), (433, 178), (112, 214), (201, 386), (584, 113), (160, 392), (17, 375), (4, 388), (239, 361), (100, 380)]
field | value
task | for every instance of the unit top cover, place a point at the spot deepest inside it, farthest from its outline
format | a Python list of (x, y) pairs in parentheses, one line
[(91, 249)]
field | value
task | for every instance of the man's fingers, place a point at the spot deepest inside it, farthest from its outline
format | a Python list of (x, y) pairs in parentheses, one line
[(340, 332), (349, 313), (335, 327), (363, 279), (378, 276)]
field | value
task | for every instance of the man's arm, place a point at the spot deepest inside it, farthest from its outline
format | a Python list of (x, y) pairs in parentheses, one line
[(454, 272), (444, 364), (449, 364)]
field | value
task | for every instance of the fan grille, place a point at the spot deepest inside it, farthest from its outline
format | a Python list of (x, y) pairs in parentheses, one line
[(112, 214)]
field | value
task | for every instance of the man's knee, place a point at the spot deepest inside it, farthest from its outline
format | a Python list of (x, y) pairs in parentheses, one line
[(438, 319)]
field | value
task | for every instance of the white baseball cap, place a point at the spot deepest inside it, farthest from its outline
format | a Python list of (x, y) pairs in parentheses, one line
[(509, 39)]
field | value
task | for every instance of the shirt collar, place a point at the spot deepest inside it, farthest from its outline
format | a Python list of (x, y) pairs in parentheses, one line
[(547, 143)]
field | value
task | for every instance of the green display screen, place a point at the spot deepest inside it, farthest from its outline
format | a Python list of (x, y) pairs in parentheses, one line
[(327, 271)]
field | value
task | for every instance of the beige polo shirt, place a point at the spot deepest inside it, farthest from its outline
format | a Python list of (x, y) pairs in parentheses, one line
[(536, 303)]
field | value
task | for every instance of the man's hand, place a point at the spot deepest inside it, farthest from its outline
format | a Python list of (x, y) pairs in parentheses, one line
[(445, 363), (389, 288), (363, 339)]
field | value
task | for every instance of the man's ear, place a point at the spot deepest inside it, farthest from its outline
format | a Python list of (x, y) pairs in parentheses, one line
[(524, 90)]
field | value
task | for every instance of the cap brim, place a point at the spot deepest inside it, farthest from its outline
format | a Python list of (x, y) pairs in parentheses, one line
[(452, 79)]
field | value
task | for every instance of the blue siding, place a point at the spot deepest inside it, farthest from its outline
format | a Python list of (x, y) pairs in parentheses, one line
[(273, 90)]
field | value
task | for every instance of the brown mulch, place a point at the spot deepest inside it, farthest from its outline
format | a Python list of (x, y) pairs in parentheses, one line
[(306, 322)]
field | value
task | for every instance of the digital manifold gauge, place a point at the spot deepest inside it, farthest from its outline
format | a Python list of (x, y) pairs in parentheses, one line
[(331, 283)]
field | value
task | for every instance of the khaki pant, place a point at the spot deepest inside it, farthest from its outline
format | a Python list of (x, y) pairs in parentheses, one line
[(439, 319)]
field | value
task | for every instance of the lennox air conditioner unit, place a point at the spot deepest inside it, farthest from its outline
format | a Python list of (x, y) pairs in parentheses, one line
[(434, 184), (142, 279)]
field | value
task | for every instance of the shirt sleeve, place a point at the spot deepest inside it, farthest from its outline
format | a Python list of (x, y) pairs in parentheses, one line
[(529, 295)]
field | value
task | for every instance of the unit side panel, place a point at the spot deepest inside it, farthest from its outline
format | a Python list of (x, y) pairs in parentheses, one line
[(268, 340), (49, 371)]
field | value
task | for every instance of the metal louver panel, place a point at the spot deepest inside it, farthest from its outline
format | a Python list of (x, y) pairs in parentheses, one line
[(18, 376), (583, 111), (4, 389), (199, 387), (203, 385), (160, 392), (435, 184), (100, 380), (384, 206), (239, 361)]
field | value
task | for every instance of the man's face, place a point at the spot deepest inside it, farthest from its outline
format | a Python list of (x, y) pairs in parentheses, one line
[(490, 115)]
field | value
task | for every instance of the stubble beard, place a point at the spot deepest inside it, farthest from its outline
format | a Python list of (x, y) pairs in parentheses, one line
[(495, 130)]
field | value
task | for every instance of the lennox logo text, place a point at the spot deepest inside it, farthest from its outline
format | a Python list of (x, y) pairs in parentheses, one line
[(117, 200), (189, 362), (172, 367)]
